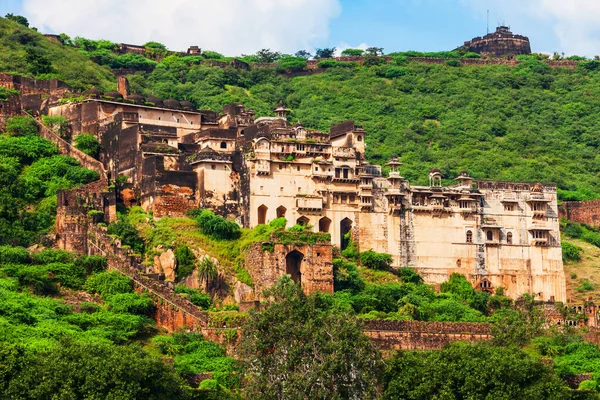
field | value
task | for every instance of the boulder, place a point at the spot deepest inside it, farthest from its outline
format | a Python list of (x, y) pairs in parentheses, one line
[(242, 292), (166, 264)]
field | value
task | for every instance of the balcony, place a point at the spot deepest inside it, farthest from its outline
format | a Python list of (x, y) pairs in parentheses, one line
[(131, 117), (421, 208), (309, 203), (263, 167), (344, 152)]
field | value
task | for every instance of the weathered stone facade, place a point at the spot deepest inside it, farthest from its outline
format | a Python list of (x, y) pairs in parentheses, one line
[(175, 158), (500, 43), (308, 264), (584, 212)]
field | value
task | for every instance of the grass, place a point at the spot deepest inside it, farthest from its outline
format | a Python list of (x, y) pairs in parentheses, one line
[(586, 270), (376, 277)]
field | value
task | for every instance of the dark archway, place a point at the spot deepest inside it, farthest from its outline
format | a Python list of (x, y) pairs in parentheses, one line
[(281, 210), (324, 224), (262, 214), (293, 261), (345, 228), (303, 221)]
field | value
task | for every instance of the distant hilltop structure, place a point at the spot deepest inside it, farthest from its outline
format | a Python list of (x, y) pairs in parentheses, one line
[(502, 43)]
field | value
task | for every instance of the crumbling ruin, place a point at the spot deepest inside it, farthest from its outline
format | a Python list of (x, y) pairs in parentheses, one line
[(501, 43)]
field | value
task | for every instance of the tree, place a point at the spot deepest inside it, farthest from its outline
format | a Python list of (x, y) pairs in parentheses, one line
[(37, 61), (374, 260), (470, 371), (352, 52), (186, 261), (325, 53), (374, 51), (297, 348), (207, 272), (88, 143), (267, 56), (21, 126), (86, 370), (303, 54), (19, 19)]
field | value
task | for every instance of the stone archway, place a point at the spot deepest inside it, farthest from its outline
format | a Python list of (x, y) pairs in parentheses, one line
[(304, 221), (281, 210), (262, 214), (293, 263), (345, 228), (324, 225)]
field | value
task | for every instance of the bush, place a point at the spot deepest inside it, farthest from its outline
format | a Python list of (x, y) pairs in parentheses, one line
[(217, 226), (573, 229), (186, 261), (212, 55), (292, 64), (391, 72), (132, 303), (13, 255), (570, 252), (48, 256), (88, 143), (21, 126), (452, 63), (108, 284), (58, 124), (127, 233), (374, 260), (91, 264), (196, 296), (335, 64), (585, 286)]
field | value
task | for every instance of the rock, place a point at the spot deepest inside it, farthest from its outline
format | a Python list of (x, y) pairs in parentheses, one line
[(242, 292), (166, 264)]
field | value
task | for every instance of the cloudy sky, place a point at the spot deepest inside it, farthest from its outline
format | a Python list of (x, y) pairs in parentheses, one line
[(234, 27)]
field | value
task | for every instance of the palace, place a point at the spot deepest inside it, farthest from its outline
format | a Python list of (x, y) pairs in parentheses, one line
[(170, 158)]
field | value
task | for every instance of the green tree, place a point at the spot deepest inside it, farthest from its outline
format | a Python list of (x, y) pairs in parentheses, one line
[(325, 52), (88, 143), (186, 261), (19, 19), (267, 56), (297, 348), (352, 52), (303, 54), (470, 371)]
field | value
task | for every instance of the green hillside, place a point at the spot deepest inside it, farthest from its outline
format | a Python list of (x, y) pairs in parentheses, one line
[(522, 123), (26, 52)]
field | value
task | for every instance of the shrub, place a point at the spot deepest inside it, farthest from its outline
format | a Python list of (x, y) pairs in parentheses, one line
[(127, 233), (393, 72), (334, 64), (452, 63), (13, 255), (132, 303), (217, 226), (570, 252), (573, 275), (471, 55), (585, 286), (108, 284), (21, 126), (573, 229), (409, 275), (58, 124), (212, 55), (278, 223), (196, 296), (91, 264), (374, 260), (186, 261), (592, 238), (48, 256), (88, 143)]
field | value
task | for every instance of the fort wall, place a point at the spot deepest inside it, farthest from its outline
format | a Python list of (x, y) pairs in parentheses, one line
[(584, 212)]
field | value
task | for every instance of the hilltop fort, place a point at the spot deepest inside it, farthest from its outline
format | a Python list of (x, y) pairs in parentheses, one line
[(501, 43)]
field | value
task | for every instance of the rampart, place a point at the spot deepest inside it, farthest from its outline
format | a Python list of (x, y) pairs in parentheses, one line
[(417, 335), (583, 212), (173, 311)]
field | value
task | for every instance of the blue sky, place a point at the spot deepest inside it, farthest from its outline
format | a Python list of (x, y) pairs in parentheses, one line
[(243, 26)]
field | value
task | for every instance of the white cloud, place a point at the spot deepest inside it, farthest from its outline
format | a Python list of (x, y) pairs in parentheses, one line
[(232, 27), (573, 22)]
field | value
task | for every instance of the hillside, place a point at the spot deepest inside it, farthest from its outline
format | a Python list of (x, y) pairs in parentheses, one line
[(524, 123), (26, 52)]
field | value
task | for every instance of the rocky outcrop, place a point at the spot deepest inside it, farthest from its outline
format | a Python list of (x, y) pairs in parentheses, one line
[(166, 263)]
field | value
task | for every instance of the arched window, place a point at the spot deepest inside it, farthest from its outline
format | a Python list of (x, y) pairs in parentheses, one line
[(359, 138), (490, 236), (469, 237), (509, 238), (262, 215), (223, 145)]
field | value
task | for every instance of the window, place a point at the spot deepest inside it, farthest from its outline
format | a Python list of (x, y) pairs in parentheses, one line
[(223, 145), (299, 189), (213, 166), (280, 166), (158, 117), (316, 168), (490, 236), (297, 168), (344, 198), (281, 190), (177, 119), (509, 207), (469, 237), (359, 138), (509, 238), (262, 187)]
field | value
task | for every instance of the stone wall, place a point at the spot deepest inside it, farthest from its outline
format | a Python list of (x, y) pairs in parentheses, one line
[(311, 265), (584, 212), (417, 335)]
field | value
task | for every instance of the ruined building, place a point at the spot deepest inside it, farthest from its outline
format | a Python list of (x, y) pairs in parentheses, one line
[(169, 158), (501, 43)]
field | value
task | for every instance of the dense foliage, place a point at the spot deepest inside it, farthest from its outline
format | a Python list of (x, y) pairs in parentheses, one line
[(31, 173), (298, 348), (523, 123), (27, 52), (467, 371)]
